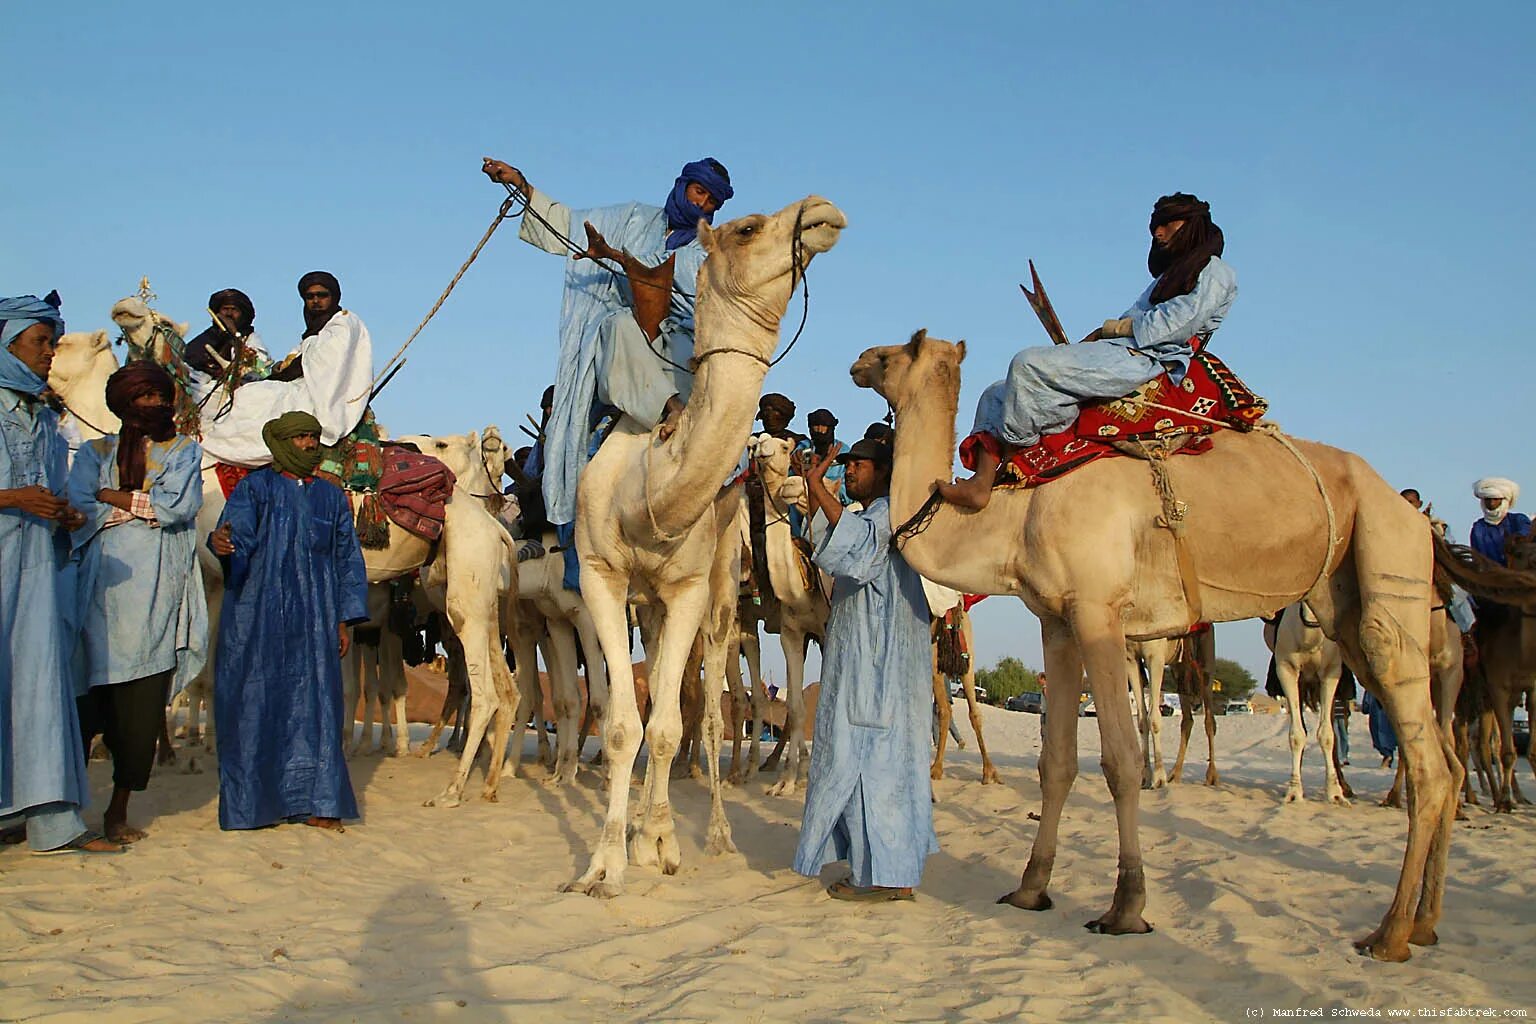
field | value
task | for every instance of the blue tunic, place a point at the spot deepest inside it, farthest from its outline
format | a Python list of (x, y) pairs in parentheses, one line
[(869, 800), (41, 760), (603, 355), (1046, 385), (142, 606), (1488, 539), (296, 574)]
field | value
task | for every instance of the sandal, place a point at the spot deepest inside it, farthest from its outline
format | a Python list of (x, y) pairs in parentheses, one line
[(85, 842), (869, 893)]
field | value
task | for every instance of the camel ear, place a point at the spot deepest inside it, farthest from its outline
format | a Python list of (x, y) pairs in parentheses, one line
[(706, 235), (916, 344), (182, 328), (100, 342), (474, 438), (960, 349)]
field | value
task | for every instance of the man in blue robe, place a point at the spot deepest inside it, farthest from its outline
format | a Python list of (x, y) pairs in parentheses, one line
[(1498, 523), (1191, 292), (868, 800), (606, 359), (143, 614), (294, 581), (42, 762)]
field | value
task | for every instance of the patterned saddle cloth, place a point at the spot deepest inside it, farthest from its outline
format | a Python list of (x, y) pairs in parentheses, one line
[(1210, 397)]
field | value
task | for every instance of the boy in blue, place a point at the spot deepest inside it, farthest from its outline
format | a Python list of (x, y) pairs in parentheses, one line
[(868, 800), (1191, 292)]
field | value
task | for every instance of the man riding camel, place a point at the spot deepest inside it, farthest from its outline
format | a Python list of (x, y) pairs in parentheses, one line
[(607, 359), (1191, 292), (329, 375)]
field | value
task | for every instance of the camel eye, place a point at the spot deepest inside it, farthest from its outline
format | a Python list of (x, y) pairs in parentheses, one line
[(748, 230)]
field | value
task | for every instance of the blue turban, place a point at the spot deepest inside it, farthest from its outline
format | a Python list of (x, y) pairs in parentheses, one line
[(16, 315), (683, 216)]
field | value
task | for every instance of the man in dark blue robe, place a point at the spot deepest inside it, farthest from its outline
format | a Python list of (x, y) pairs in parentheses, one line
[(293, 582)]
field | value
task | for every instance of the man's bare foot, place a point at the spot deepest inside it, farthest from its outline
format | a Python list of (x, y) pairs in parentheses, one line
[(122, 832), (669, 414), (329, 824)]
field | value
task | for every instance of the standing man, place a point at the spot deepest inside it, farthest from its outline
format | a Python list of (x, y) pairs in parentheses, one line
[(42, 762), (144, 618), (869, 800), (293, 582), (606, 359)]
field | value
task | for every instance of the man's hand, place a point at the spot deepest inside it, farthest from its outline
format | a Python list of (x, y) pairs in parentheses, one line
[(597, 246), (37, 500), (221, 541), (818, 470), (505, 174), (72, 519), (346, 638)]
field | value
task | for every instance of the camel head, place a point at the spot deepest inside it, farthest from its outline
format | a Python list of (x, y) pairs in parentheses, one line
[(756, 261), (899, 372), (494, 453), (771, 455), (81, 365), (462, 454), (139, 322)]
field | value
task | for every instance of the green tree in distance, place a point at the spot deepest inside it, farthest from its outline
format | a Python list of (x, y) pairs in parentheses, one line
[(1008, 678), (1232, 682)]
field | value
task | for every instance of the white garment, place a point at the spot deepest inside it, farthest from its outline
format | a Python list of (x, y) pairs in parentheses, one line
[(338, 375)]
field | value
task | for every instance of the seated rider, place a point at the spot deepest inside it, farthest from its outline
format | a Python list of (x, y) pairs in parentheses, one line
[(1191, 293), (1498, 497), (606, 356), (237, 317)]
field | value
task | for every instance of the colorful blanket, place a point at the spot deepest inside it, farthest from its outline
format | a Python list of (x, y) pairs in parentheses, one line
[(414, 490), (1210, 396)]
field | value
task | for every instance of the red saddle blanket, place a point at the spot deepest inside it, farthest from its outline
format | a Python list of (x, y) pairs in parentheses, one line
[(1210, 396), (415, 489)]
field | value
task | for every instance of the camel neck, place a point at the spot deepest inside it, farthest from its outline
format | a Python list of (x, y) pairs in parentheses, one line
[(924, 447)]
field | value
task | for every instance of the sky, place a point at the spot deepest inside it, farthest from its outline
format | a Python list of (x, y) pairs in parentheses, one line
[(1369, 163)]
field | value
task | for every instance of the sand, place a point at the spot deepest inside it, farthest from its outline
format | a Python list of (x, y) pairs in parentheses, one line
[(423, 914)]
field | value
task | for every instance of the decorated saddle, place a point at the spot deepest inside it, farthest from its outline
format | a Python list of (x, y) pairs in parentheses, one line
[(1210, 397)]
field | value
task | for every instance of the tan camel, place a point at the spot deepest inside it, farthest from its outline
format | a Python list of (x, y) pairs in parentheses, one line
[(941, 677), (651, 513), (82, 362), (1269, 521)]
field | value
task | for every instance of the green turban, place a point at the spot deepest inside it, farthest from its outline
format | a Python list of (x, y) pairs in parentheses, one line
[(286, 456)]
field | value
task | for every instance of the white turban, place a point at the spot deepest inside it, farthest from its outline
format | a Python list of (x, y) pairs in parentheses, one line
[(1497, 487)]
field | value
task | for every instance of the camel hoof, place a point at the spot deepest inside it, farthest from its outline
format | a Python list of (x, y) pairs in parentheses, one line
[(1423, 936), (936, 773), (1212, 779), (443, 800), (719, 845), (1293, 796), (769, 765), (1023, 902), (1339, 799), (1391, 800), (490, 796), (990, 776), (785, 787), (1134, 925), (1376, 948), (601, 890)]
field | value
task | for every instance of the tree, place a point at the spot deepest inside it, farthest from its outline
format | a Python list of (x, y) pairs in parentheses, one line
[(1231, 681), (1008, 678)]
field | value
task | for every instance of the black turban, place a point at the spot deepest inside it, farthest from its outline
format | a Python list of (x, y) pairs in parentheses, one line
[(1177, 266), (237, 298), (878, 431), (822, 418), (321, 277), (157, 423), (778, 402)]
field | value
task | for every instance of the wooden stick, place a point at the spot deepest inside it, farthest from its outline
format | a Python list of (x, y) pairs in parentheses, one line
[(1041, 304)]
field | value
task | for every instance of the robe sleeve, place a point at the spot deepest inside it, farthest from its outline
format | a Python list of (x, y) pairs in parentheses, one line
[(243, 515), (535, 233), (351, 573), (177, 490), (858, 546), (84, 482), (1168, 326)]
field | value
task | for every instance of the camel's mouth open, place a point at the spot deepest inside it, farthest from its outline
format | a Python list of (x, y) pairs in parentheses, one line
[(821, 223)]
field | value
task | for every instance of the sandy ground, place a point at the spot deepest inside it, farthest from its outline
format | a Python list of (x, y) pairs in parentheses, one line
[(423, 914)]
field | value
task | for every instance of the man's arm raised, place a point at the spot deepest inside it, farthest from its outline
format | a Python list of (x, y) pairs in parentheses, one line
[(556, 218)]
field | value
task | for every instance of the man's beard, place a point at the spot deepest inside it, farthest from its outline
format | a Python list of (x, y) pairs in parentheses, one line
[(315, 321)]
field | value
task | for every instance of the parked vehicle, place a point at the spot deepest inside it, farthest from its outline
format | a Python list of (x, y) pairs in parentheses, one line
[(1239, 707), (1034, 703), (957, 689)]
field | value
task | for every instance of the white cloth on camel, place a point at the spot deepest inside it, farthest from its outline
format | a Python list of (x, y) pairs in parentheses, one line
[(338, 375)]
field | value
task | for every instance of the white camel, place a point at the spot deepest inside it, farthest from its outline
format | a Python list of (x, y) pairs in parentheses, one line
[(652, 513), (1302, 650)]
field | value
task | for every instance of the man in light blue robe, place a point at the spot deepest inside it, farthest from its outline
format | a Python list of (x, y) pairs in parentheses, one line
[(143, 613), (294, 581), (1190, 295), (605, 358), (868, 799), (42, 762)]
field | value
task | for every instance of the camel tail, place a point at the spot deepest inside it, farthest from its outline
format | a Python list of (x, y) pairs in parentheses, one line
[(1482, 577)]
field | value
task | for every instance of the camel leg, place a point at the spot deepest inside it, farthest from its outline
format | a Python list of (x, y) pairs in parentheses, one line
[(606, 592), (1463, 744), (1211, 776), (690, 707), (655, 840), (526, 653), (473, 604), (1394, 797), (1154, 708), (546, 750), (942, 713), (740, 709), (753, 655), (1333, 773), (1102, 642), (1507, 757), (795, 766), (392, 689), (1139, 695), (597, 675), (1186, 729), (352, 685), (719, 632), (968, 683), (1057, 763), (567, 698), (1290, 685)]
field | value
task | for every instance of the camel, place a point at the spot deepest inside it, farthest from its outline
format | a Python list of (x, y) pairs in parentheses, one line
[(1302, 649), (1266, 521), (377, 672), (652, 513), (471, 564), (746, 646), (942, 673), (82, 362), (803, 605), (1183, 655), (1506, 643)]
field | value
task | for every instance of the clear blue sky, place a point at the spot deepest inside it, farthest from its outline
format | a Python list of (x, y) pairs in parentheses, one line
[(1370, 163)]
